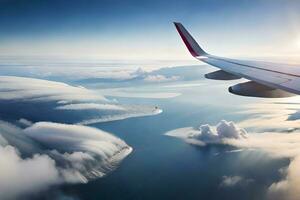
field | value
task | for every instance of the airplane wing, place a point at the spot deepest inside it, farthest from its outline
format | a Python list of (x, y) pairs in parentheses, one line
[(268, 80)]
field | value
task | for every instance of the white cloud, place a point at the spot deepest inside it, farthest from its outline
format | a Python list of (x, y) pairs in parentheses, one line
[(135, 93), (276, 144), (74, 71), (19, 88), (160, 78), (96, 148), (56, 136), (131, 111), (22, 176), (206, 134), (68, 98), (289, 187), (50, 153), (25, 122), (90, 106)]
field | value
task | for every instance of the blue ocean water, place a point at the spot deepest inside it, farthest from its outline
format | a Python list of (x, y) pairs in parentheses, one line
[(162, 167)]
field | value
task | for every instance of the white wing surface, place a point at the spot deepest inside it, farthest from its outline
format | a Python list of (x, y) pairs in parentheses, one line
[(266, 79)]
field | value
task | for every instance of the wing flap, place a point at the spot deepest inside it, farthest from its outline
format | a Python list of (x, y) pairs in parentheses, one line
[(246, 72)]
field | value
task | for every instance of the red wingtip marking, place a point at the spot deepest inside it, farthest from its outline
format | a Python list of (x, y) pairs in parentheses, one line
[(187, 44)]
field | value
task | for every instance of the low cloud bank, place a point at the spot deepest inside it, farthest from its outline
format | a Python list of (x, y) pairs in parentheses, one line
[(278, 145), (59, 102), (46, 153), (19, 88)]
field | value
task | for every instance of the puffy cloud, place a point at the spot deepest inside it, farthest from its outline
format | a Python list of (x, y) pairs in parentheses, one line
[(48, 153), (206, 134), (22, 176)]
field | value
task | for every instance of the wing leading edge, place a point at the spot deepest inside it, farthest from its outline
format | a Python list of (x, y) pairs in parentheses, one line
[(268, 78)]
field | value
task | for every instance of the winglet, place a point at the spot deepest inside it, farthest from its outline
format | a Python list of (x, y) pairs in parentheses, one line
[(189, 41)]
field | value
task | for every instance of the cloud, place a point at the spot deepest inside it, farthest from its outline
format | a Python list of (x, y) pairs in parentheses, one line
[(276, 144), (206, 134), (24, 122), (130, 112), (47, 153), (183, 85), (234, 181), (22, 176), (287, 188), (277, 124), (89, 151), (160, 78), (60, 102), (29, 89), (71, 71), (90, 106)]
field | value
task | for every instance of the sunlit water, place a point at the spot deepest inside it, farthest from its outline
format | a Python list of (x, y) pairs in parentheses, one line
[(162, 167)]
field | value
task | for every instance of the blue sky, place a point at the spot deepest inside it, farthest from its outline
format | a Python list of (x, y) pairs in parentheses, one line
[(133, 29)]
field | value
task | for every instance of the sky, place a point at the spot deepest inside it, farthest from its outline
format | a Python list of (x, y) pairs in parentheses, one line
[(140, 29), (63, 123)]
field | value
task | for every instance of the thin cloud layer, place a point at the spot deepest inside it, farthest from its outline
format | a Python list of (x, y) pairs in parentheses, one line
[(46, 153), (15, 88), (20, 97), (135, 93), (129, 112), (160, 78), (90, 106)]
